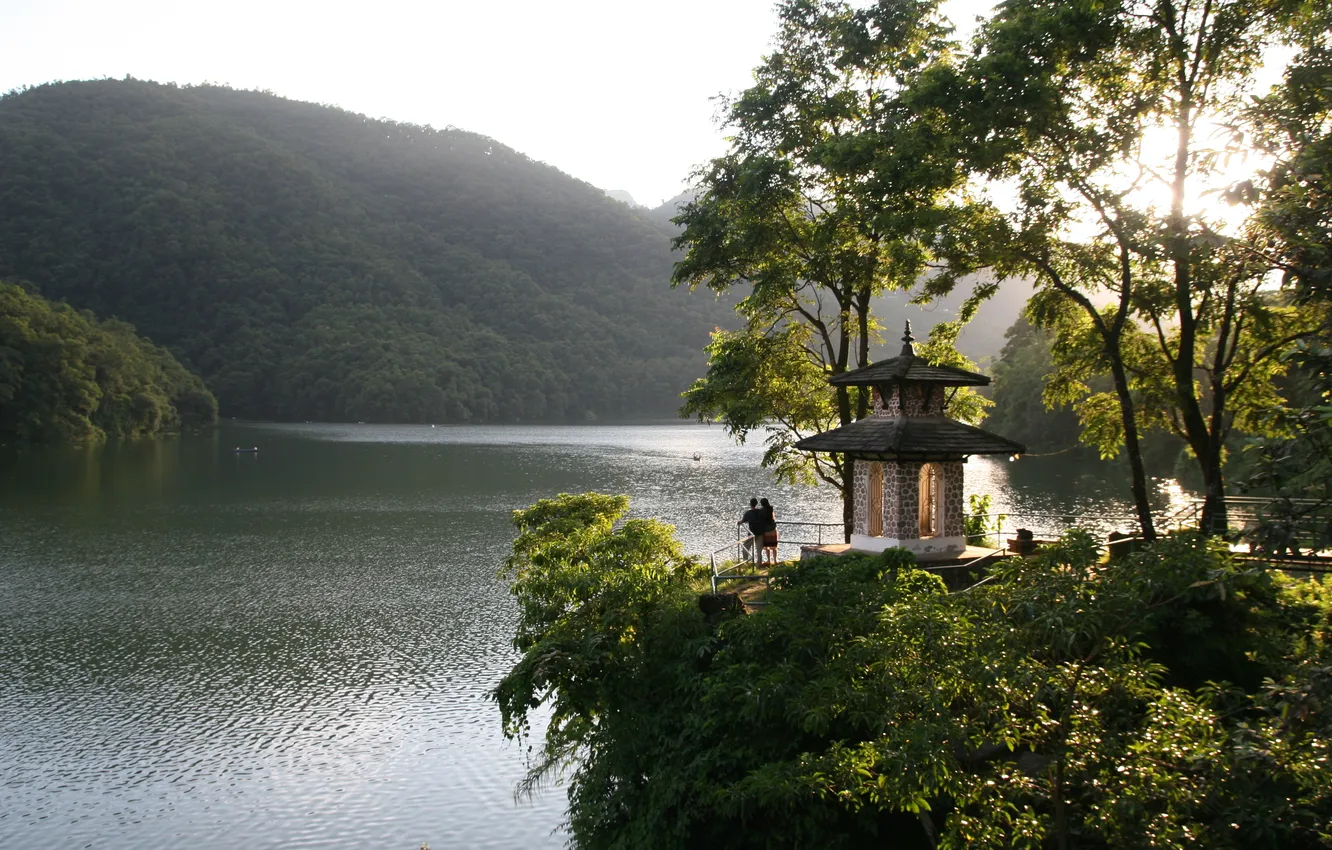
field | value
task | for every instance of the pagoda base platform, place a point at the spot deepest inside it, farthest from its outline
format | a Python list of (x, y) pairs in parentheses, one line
[(958, 573), (938, 549), (971, 553)]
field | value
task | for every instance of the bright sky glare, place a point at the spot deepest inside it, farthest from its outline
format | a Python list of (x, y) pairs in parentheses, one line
[(615, 92)]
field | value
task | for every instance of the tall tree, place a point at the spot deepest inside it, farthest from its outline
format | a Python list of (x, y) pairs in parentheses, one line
[(790, 215), (1110, 122), (1294, 126)]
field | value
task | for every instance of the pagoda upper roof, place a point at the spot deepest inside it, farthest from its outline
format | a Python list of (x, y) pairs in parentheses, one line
[(914, 437), (908, 366)]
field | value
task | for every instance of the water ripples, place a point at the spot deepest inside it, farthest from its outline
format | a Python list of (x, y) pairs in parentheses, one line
[(294, 649)]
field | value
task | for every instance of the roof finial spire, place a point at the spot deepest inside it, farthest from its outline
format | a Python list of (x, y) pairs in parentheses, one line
[(907, 349)]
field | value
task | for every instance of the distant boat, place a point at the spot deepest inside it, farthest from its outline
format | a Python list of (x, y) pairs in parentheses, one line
[(239, 450), (697, 456)]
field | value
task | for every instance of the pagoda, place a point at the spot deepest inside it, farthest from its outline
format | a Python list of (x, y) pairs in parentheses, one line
[(907, 475)]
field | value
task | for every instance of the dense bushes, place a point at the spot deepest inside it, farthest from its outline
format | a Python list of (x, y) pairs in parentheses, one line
[(64, 376), (1171, 699)]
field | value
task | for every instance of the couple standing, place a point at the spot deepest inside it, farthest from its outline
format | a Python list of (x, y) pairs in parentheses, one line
[(762, 522)]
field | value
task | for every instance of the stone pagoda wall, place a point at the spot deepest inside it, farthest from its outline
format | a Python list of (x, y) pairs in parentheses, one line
[(952, 498), (913, 405), (901, 498), (901, 485), (860, 496), (882, 407)]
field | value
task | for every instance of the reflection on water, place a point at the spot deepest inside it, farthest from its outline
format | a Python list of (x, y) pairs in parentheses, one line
[(292, 648)]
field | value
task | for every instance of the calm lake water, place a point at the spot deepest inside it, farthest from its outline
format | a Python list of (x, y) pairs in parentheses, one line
[(293, 648)]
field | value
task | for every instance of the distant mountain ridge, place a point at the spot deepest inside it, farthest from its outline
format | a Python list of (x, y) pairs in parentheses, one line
[(312, 263), (623, 197)]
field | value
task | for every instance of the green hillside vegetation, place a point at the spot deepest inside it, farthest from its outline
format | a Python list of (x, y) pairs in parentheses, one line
[(1176, 698), (66, 377), (311, 263), (1019, 412)]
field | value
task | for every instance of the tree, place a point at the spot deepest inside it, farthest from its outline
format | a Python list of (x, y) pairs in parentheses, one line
[(1294, 126), (790, 215), (1020, 374), (66, 377), (599, 606), (1172, 701), (1090, 112)]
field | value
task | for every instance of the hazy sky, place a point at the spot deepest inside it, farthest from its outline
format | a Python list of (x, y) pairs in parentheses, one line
[(615, 92)]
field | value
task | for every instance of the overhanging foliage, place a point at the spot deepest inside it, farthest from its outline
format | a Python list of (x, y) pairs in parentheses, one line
[(1171, 699)]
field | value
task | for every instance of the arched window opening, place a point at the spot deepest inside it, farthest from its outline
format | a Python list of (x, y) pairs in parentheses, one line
[(931, 499), (874, 506)]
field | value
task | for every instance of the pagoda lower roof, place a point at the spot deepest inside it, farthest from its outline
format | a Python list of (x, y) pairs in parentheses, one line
[(914, 437), (909, 367)]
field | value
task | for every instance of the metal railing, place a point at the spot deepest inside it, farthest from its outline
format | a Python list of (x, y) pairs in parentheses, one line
[(1292, 534), (736, 561), (1289, 533), (1004, 524), (728, 561)]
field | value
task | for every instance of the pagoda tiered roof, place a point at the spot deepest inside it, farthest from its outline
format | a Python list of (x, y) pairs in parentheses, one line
[(925, 437), (909, 366), (910, 437)]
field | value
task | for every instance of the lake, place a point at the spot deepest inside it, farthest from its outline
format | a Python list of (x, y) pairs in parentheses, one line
[(293, 648)]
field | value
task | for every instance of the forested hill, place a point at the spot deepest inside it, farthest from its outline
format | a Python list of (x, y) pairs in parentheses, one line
[(311, 263), (66, 377)]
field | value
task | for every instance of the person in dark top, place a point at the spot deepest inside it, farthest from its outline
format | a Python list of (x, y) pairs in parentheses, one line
[(769, 532), (754, 520)]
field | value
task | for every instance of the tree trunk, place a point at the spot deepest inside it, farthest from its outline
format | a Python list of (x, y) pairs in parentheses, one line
[(1132, 447), (1215, 518), (862, 349), (843, 406), (1205, 442)]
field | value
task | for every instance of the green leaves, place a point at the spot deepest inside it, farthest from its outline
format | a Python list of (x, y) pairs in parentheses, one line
[(596, 601), (66, 377), (836, 188), (1095, 115), (313, 264), (1166, 699), (756, 381)]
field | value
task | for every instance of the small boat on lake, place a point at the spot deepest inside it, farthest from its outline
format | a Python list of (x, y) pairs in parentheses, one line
[(241, 451)]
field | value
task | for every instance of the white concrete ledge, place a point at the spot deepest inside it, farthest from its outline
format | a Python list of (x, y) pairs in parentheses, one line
[(925, 549)]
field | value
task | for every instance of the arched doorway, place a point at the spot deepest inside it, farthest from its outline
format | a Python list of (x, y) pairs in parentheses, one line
[(874, 504), (931, 500)]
